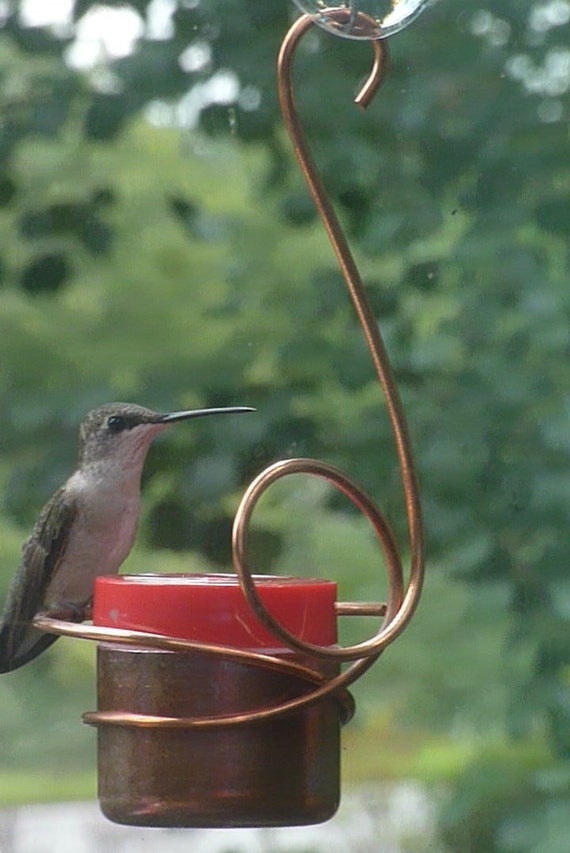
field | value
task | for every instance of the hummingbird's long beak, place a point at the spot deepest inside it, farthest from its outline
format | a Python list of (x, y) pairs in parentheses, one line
[(200, 413)]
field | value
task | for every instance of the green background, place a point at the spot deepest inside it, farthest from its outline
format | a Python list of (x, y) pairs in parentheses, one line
[(179, 263)]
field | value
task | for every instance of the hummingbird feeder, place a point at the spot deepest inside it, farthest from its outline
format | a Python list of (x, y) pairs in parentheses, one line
[(221, 697)]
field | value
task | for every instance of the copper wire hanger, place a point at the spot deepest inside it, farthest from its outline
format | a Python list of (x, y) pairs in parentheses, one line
[(398, 611), (401, 604)]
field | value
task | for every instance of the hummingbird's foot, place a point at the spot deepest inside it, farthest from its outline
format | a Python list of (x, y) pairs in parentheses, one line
[(68, 611), (76, 612)]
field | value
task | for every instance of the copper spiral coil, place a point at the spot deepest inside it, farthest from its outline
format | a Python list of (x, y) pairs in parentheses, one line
[(401, 604)]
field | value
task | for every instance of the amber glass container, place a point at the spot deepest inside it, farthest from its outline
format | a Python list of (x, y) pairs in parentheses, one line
[(270, 772)]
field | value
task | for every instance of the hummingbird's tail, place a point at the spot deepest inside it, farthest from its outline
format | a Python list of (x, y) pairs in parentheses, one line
[(21, 644)]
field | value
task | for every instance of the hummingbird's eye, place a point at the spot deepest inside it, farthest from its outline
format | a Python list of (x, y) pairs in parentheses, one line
[(116, 423)]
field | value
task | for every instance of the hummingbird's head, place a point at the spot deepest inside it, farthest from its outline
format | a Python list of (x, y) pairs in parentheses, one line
[(124, 431)]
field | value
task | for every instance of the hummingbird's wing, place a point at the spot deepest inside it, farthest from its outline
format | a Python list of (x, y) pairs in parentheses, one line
[(20, 642)]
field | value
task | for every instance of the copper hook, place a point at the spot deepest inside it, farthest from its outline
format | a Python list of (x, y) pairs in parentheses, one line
[(398, 612)]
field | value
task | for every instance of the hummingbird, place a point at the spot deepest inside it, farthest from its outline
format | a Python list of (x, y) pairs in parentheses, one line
[(88, 526)]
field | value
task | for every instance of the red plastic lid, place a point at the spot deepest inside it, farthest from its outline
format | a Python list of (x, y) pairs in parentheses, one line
[(213, 608)]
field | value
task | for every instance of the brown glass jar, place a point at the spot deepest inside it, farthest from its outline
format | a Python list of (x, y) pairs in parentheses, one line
[(273, 772)]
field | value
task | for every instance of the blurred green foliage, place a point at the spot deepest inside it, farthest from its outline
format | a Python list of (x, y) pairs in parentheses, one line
[(183, 265)]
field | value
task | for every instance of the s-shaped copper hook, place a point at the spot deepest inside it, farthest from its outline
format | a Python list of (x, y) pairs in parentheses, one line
[(400, 606)]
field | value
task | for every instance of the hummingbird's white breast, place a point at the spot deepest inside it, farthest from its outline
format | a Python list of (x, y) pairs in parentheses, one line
[(102, 533)]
